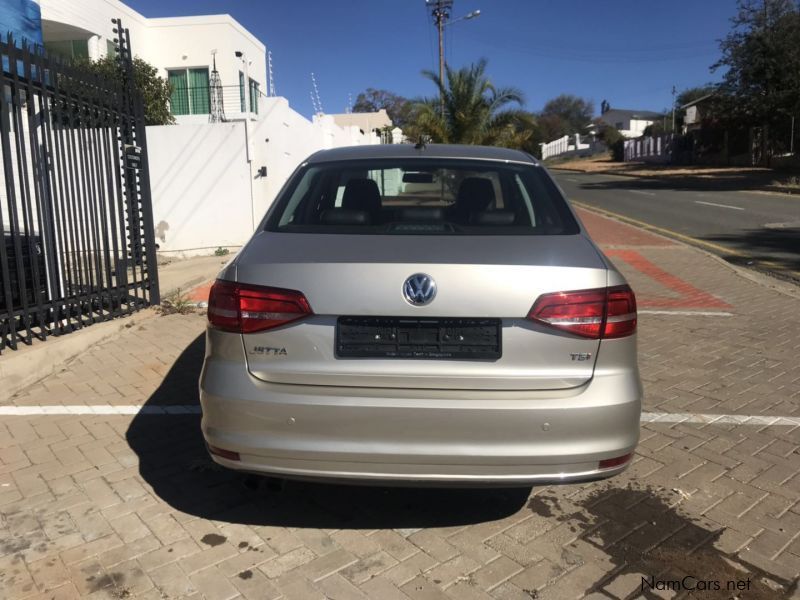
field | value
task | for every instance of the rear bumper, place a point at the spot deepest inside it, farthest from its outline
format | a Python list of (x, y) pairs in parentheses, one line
[(381, 435)]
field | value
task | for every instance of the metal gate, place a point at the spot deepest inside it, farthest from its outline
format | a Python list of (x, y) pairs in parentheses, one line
[(75, 210)]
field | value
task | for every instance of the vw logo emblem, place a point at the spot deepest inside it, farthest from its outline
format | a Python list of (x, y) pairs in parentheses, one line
[(419, 289)]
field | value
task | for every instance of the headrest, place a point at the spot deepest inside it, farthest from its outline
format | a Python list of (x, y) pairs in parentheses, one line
[(362, 194), (474, 194)]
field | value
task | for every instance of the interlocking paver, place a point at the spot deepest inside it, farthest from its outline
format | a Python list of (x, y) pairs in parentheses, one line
[(111, 506)]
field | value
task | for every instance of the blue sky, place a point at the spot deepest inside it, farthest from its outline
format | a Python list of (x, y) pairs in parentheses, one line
[(629, 52)]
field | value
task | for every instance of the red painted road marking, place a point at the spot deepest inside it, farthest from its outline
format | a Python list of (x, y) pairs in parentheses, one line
[(608, 232), (200, 293), (691, 297)]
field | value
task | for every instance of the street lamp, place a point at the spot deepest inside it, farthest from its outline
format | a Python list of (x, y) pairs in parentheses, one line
[(471, 15), (440, 9)]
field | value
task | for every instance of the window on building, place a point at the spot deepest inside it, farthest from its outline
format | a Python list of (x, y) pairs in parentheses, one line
[(242, 102), (111, 48), (190, 93), (69, 48), (253, 96)]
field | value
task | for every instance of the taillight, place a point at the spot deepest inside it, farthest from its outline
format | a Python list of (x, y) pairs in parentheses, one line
[(610, 463), (599, 313), (244, 308)]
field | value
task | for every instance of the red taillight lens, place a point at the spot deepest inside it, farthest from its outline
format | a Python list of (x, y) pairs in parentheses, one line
[(610, 463), (229, 454), (621, 313), (243, 308), (600, 313)]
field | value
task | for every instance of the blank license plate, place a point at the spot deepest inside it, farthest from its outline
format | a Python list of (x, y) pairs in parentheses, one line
[(400, 337)]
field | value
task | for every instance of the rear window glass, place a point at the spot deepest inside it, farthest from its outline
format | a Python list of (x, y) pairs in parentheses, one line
[(446, 197)]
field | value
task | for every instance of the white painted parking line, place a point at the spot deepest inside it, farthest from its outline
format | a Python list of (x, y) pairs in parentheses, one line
[(573, 180), (708, 419), (686, 313), (719, 205), (193, 409), (642, 193)]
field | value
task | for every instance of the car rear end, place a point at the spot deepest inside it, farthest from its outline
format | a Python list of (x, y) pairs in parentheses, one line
[(419, 316)]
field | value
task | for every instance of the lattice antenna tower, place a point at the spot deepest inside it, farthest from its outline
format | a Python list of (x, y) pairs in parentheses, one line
[(217, 112), (271, 81), (315, 93)]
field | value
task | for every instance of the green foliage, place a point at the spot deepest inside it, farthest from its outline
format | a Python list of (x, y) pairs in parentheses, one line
[(398, 108), (615, 141), (221, 251), (566, 114), (694, 93), (761, 55), (155, 90), (177, 303), (475, 111)]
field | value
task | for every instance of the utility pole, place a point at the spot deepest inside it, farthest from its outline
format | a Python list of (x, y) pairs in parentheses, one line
[(673, 109), (441, 12)]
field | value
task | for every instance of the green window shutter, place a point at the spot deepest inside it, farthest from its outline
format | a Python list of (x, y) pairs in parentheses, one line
[(80, 49), (179, 100), (254, 96), (198, 87), (241, 91)]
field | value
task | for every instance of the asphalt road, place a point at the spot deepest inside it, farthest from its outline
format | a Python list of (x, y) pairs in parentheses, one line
[(749, 228)]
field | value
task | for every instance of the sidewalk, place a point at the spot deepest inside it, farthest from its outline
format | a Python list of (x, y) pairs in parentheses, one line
[(700, 177), (99, 499)]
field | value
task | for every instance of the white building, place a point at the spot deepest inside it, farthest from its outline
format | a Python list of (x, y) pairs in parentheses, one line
[(211, 182), (179, 47), (630, 123)]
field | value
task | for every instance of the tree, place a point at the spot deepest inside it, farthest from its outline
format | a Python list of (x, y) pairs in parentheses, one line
[(569, 114), (694, 93), (475, 110), (552, 127), (761, 54), (615, 142), (397, 107), (155, 90)]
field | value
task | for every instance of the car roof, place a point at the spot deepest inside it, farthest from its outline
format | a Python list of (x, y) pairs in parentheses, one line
[(401, 151)]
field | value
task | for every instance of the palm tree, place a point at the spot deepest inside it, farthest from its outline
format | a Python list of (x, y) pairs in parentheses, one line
[(475, 110)]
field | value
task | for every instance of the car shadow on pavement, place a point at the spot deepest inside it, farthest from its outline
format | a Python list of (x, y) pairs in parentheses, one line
[(174, 461)]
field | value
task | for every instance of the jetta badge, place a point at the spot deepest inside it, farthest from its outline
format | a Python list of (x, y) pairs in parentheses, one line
[(419, 289)]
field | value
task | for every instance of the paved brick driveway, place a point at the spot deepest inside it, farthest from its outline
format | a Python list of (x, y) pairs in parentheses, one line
[(124, 506)]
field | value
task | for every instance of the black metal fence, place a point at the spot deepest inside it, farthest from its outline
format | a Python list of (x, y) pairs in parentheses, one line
[(75, 210)]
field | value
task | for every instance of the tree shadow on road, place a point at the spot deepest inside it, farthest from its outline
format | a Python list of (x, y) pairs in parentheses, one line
[(174, 461), (721, 182), (779, 245)]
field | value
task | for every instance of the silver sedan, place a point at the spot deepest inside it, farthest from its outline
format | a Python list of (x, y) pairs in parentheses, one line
[(421, 314)]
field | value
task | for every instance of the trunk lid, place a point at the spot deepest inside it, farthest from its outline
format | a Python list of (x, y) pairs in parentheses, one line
[(476, 277)]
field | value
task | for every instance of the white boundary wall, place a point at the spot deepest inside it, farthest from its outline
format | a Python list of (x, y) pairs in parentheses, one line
[(204, 178)]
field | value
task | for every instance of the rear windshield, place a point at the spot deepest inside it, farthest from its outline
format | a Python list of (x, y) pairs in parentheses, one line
[(449, 197)]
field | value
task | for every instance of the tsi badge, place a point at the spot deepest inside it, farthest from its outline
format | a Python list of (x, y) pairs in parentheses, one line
[(268, 351), (580, 356)]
